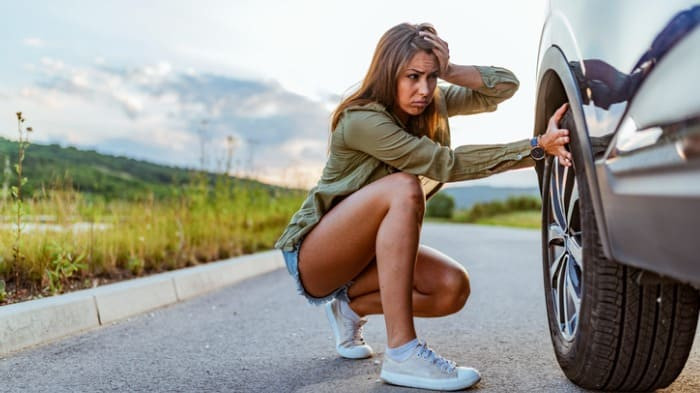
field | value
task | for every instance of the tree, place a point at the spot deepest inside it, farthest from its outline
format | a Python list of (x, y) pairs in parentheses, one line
[(441, 205)]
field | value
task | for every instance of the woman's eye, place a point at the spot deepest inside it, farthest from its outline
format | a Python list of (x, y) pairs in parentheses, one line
[(433, 76), (413, 76)]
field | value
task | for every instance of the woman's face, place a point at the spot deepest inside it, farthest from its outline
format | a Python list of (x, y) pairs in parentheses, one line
[(416, 85)]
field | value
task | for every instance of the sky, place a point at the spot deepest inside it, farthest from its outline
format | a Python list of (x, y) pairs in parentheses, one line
[(165, 80)]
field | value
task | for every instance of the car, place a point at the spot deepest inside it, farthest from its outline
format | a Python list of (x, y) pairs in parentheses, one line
[(620, 227)]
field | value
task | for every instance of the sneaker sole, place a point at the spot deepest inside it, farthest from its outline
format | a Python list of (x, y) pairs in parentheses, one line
[(427, 383)]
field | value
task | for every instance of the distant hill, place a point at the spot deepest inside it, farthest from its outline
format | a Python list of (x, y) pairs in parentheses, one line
[(465, 197), (94, 173)]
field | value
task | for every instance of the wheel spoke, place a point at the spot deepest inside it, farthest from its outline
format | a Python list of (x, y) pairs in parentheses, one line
[(562, 194), (572, 315), (561, 296), (573, 288), (556, 232), (573, 204), (556, 235), (573, 247), (564, 248), (555, 196), (556, 266)]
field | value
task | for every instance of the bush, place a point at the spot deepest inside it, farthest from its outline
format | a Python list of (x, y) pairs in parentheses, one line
[(440, 205), (489, 209)]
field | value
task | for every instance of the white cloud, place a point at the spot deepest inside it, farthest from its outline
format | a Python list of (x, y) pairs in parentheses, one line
[(52, 65), (33, 41), (155, 111), (304, 147), (178, 63)]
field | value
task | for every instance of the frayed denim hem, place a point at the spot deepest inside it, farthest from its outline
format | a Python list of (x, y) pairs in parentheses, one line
[(291, 259)]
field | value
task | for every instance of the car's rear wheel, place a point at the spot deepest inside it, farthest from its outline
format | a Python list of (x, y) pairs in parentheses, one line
[(611, 330)]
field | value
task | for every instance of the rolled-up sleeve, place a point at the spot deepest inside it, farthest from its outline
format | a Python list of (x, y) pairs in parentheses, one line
[(376, 134), (499, 85)]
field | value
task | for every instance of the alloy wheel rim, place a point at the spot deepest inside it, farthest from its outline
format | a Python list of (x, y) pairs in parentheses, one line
[(565, 249)]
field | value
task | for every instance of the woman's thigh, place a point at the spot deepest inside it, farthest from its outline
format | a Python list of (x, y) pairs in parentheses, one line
[(341, 245), (434, 272)]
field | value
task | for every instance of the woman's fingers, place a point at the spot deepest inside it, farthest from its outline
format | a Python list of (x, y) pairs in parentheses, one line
[(563, 155), (440, 49), (555, 139), (434, 39), (559, 113)]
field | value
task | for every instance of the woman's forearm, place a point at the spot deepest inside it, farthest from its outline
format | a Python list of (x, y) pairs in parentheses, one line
[(469, 76), (463, 75)]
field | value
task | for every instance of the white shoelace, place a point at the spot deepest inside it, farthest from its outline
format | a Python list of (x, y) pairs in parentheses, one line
[(425, 352), (356, 328)]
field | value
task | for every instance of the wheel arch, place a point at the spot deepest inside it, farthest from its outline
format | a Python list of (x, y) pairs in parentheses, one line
[(556, 85)]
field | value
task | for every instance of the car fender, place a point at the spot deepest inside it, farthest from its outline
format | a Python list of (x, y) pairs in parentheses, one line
[(554, 68)]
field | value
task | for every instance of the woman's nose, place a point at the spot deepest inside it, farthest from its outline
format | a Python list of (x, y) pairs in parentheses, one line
[(423, 88)]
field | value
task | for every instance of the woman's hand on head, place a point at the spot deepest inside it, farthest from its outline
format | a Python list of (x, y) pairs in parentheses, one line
[(554, 140), (440, 49)]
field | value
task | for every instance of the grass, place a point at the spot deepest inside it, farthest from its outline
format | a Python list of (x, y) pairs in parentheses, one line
[(519, 219), (522, 219), (517, 211), (200, 223)]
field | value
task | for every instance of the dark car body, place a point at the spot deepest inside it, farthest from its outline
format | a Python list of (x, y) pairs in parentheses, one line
[(631, 73)]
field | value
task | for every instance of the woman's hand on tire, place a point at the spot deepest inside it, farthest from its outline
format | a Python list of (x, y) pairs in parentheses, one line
[(554, 140)]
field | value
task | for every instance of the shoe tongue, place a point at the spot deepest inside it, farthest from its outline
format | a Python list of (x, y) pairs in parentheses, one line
[(348, 312)]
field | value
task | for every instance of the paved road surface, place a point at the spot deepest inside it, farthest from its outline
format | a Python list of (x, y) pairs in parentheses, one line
[(259, 336)]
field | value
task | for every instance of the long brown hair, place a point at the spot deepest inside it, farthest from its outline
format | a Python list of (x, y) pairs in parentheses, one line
[(394, 51)]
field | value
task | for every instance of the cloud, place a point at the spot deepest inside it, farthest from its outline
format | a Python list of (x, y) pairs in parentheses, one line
[(33, 41), (164, 114)]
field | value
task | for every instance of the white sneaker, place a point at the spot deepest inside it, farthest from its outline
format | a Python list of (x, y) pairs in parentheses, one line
[(427, 370), (348, 333)]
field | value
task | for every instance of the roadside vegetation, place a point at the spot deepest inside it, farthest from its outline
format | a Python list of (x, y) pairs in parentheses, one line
[(58, 239), (72, 219), (519, 211)]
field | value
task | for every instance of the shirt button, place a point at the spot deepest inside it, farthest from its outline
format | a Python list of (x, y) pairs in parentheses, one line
[(520, 156)]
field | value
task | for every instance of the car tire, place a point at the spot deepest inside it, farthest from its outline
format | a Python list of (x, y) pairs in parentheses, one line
[(626, 333)]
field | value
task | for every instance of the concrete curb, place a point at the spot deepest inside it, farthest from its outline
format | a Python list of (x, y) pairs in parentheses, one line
[(35, 322)]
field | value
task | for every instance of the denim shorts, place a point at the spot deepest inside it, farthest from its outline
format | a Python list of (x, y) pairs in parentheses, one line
[(291, 258)]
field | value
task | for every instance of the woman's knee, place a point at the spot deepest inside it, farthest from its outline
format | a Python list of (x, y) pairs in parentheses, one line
[(456, 291), (406, 189)]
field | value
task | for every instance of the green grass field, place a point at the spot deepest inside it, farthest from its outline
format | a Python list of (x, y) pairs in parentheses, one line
[(122, 239), (88, 218), (522, 219), (519, 219)]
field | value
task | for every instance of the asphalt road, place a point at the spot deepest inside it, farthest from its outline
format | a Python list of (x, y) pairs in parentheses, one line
[(259, 336)]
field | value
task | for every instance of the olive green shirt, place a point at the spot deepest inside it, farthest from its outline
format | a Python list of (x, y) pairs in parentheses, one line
[(369, 142)]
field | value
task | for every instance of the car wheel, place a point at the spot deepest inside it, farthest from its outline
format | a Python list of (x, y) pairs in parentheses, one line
[(610, 329)]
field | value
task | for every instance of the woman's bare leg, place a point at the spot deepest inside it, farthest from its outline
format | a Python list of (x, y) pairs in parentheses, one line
[(440, 286), (382, 219)]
